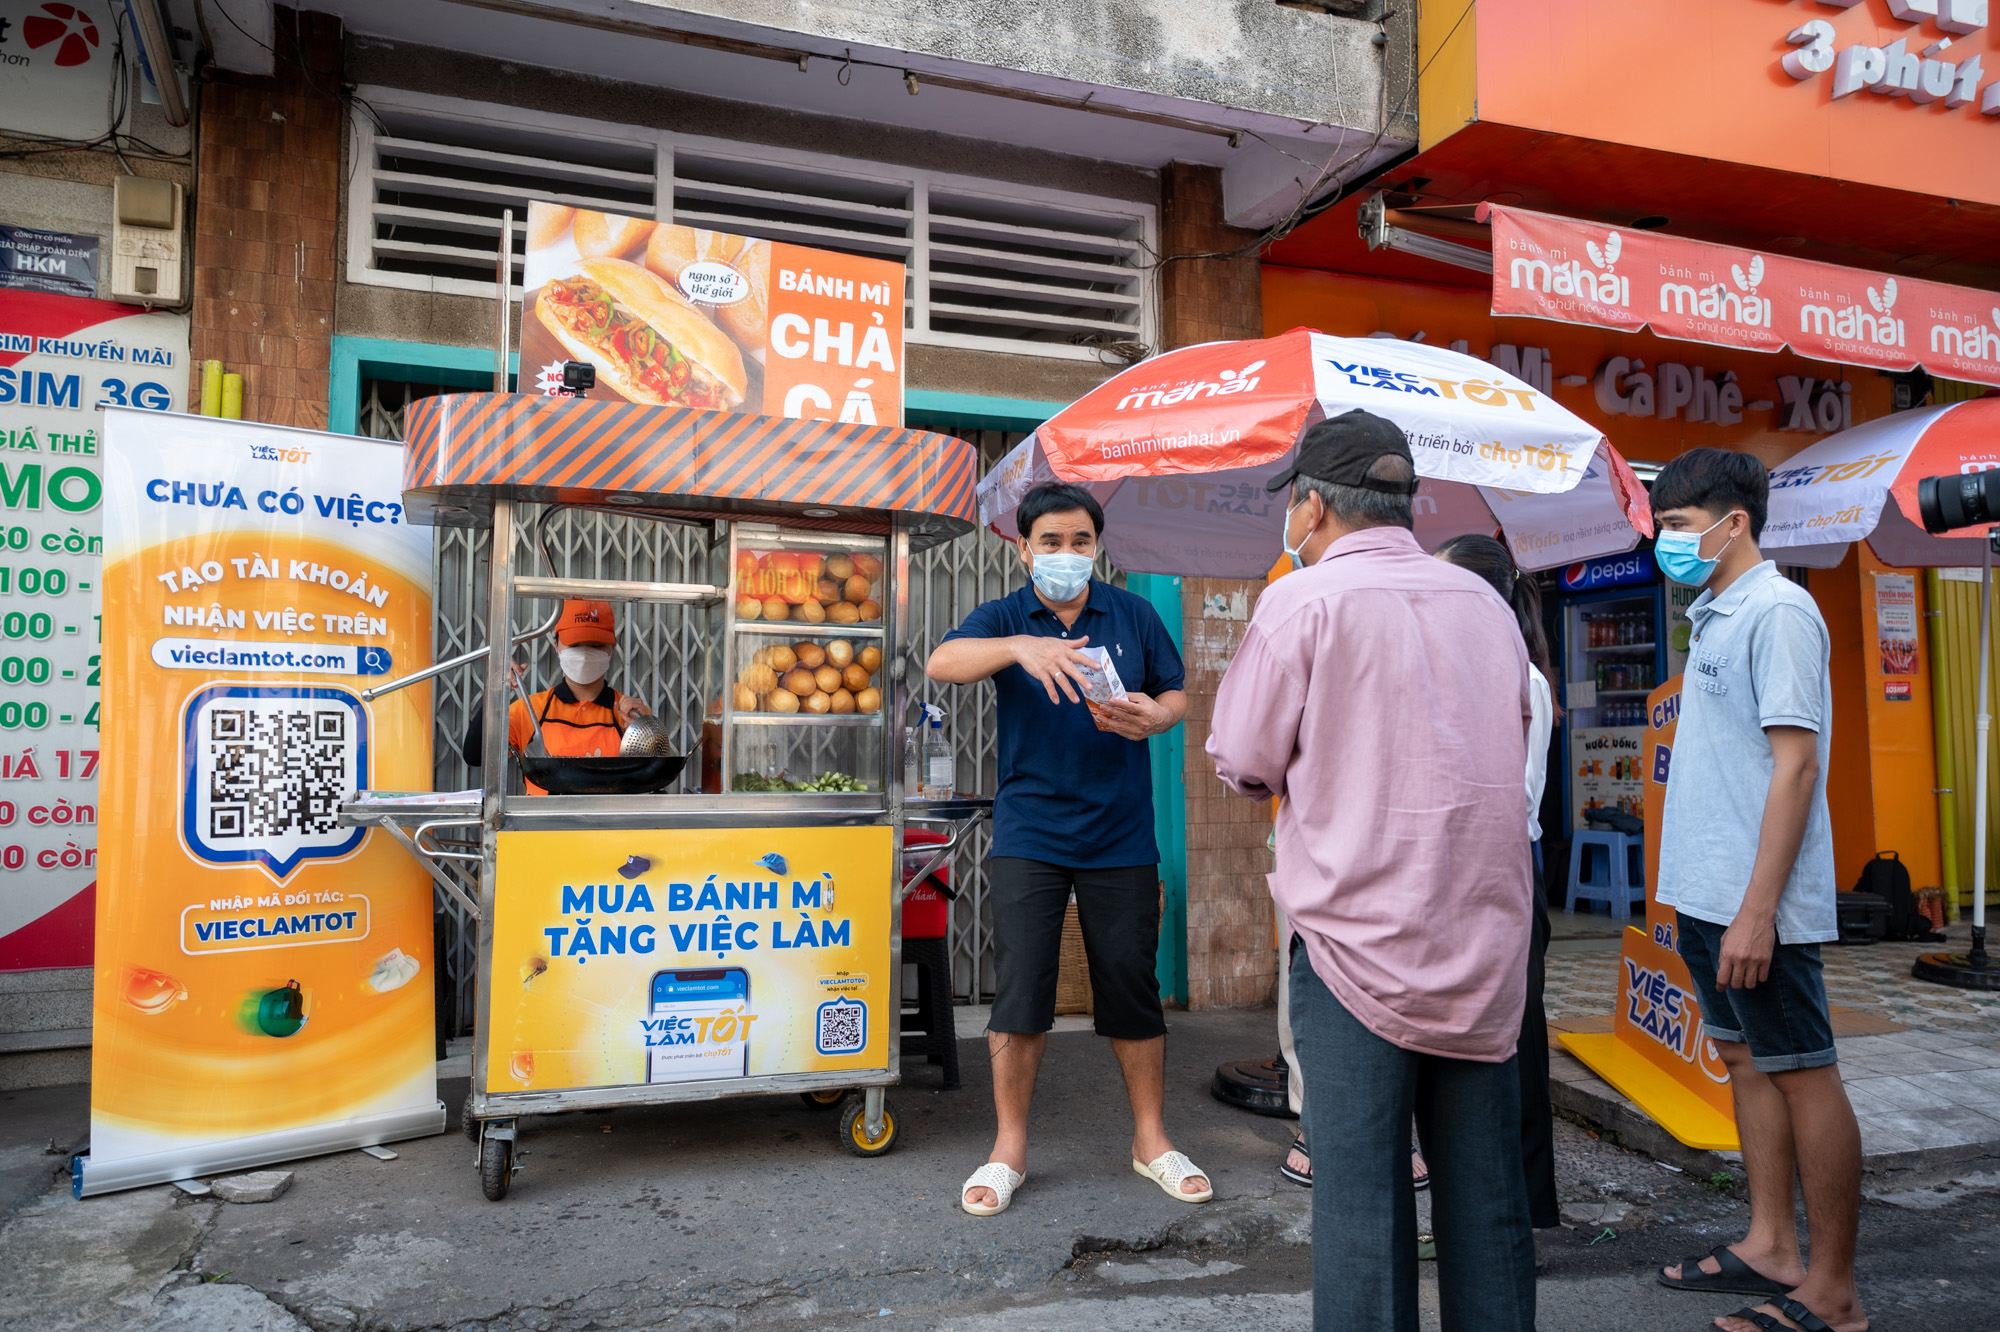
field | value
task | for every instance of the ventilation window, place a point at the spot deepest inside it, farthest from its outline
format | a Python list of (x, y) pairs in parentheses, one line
[(991, 265)]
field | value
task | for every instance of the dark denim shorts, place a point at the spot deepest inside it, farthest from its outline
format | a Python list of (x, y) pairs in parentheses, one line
[(1783, 1020)]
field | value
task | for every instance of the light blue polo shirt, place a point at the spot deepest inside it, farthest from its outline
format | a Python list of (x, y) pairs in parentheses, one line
[(1758, 658)]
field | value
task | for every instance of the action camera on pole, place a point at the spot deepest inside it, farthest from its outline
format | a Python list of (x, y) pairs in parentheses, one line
[(579, 377)]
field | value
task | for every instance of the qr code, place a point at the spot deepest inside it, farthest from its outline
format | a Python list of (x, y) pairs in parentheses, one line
[(267, 768), (843, 1027), (276, 772)]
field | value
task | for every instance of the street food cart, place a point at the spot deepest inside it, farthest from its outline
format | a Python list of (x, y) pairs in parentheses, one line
[(648, 936)]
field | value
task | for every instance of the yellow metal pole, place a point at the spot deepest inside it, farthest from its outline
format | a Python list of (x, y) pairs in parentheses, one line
[(211, 388)]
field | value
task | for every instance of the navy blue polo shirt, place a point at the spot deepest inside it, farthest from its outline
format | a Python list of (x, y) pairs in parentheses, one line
[(1069, 793)]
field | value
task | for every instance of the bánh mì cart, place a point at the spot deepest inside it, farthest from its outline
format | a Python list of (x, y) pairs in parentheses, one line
[(740, 933)]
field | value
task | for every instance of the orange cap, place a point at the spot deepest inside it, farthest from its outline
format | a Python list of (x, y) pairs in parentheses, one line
[(586, 622)]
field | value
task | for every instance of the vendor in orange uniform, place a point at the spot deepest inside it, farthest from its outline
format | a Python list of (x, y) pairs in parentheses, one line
[(582, 716)]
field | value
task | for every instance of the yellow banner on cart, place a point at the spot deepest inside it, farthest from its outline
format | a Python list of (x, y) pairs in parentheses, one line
[(651, 956)]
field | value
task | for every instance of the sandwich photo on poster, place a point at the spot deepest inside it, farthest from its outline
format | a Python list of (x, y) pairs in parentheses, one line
[(683, 317)]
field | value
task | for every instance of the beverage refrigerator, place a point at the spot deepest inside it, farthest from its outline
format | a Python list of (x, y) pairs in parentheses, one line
[(1612, 650)]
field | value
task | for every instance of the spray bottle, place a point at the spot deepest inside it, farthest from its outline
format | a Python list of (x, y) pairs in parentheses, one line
[(940, 771)]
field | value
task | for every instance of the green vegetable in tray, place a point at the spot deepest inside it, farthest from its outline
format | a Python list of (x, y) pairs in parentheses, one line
[(824, 783)]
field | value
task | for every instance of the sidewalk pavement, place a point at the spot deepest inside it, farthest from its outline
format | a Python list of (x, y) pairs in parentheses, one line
[(1921, 1061)]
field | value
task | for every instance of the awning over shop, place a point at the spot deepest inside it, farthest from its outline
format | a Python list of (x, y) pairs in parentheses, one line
[(1584, 273)]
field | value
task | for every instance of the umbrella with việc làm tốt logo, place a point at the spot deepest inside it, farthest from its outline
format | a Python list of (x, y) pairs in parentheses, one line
[(1178, 449), (1898, 483)]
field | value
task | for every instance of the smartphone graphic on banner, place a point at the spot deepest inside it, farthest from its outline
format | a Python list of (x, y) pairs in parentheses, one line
[(700, 1024)]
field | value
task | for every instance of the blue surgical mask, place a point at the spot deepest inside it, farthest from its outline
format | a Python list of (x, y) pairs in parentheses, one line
[(1061, 577), (1298, 555), (1679, 554)]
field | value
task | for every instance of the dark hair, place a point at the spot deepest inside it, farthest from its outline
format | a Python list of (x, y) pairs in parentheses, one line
[(1716, 481), (1359, 507), (1057, 497), (1489, 559)]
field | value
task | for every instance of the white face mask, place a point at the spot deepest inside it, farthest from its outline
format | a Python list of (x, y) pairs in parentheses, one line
[(585, 665)]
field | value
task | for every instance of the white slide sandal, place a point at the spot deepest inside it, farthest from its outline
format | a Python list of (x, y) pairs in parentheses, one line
[(997, 1176), (1169, 1170)]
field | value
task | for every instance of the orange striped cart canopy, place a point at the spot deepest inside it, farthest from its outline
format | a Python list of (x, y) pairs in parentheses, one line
[(465, 449)]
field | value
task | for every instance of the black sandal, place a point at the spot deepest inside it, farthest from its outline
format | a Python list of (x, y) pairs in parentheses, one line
[(1423, 1181), (1302, 1178), (1805, 1319), (1736, 1277)]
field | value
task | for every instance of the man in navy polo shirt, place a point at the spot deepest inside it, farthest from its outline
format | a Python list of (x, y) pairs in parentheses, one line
[(1073, 813)]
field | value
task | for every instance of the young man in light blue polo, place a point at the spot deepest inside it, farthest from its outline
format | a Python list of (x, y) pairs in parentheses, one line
[(1746, 861)]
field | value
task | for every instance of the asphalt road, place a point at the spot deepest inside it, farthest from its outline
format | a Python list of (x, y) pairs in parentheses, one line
[(745, 1215)]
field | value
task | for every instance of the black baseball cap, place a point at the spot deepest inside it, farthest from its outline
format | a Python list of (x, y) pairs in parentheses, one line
[(1341, 449)]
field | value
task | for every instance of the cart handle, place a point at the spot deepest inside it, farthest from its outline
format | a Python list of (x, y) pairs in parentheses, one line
[(438, 852), (370, 695), (940, 852)]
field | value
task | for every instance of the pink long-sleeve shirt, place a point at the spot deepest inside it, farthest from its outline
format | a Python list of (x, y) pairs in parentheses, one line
[(1383, 694)]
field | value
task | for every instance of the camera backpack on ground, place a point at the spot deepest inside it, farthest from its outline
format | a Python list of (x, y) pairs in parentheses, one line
[(1887, 878)]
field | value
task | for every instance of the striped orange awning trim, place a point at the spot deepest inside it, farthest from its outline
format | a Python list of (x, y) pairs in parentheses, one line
[(465, 448)]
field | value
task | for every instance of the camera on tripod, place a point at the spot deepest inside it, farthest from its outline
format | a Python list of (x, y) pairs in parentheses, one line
[(1951, 502)]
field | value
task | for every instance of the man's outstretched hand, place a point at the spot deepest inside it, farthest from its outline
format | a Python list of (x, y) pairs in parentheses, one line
[(1136, 716)]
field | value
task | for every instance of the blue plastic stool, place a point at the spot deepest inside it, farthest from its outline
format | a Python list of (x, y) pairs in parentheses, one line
[(1622, 861)]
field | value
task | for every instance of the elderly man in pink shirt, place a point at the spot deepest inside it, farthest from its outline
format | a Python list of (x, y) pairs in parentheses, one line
[(1383, 696)]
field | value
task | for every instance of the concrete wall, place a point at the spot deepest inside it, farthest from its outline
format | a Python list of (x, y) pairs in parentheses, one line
[(1251, 54), (71, 191)]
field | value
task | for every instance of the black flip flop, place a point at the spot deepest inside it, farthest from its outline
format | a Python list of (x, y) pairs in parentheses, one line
[(1806, 1319), (1423, 1181), (1303, 1178), (1736, 1277)]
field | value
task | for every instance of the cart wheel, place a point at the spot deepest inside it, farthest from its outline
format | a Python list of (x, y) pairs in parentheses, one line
[(822, 1100), (496, 1167), (854, 1129), (467, 1124)]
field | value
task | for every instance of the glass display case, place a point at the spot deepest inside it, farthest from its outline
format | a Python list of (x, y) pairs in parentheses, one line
[(796, 676)]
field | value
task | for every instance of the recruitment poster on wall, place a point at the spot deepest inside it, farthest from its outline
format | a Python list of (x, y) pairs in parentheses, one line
[(61, 358), (263, 974), (684, 317), (648, 956)]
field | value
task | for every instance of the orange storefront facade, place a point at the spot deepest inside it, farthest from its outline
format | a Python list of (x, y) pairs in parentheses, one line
[(1800, 130)]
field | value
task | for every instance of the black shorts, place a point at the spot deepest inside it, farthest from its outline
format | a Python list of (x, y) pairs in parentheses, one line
[(1784, 1020), (1119, 910)]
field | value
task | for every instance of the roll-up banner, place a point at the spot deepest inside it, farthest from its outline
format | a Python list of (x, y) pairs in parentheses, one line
[(263, 987)]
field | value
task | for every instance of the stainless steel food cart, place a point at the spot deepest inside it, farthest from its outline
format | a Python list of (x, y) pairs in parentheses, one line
[(745, 925)]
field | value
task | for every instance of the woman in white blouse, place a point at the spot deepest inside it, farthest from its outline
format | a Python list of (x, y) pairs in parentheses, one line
[(1490, 560)]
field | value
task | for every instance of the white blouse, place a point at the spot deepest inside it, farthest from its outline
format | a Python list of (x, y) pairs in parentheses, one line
[(1541, 720)]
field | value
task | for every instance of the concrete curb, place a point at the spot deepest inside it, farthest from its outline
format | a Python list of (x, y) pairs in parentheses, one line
[(1573, 1088)]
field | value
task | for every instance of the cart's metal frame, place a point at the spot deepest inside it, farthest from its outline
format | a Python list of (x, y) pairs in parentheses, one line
[(494, 811)]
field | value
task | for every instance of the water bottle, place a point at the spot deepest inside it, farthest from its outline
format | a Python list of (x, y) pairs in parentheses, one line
[(913, 762), (940, 764)]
